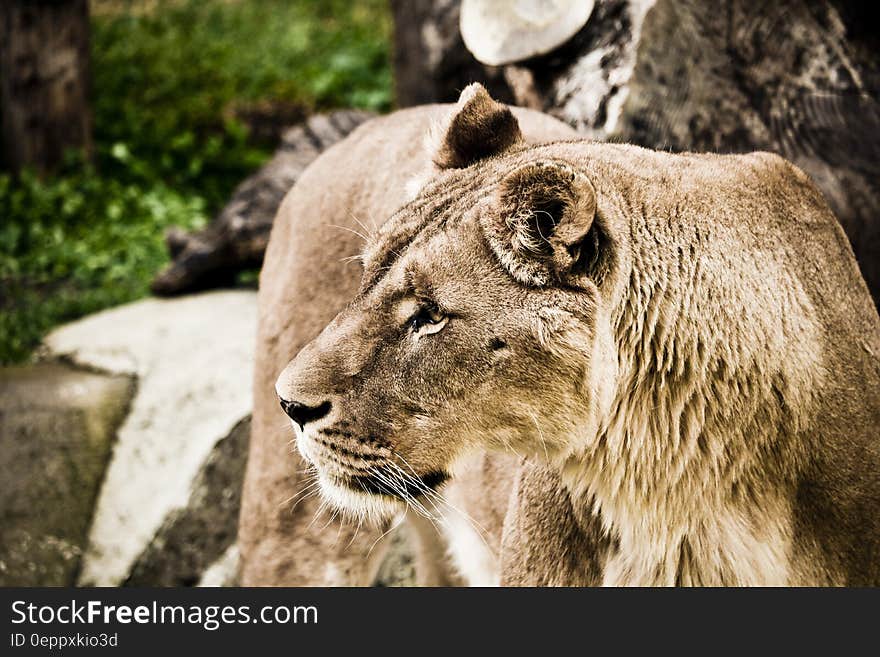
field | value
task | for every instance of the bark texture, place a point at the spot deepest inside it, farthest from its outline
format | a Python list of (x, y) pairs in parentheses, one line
[(44, 81)]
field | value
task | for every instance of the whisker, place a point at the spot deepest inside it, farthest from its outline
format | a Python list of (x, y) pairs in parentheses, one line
[(481, 531), (385, 478), (329, 522), (356, 531), (430, 496), (357, 257), (373, 222), (384, 534), (540, 435), (309, 484), (321, 508), (410, 499), (350, 230), (307, 492), (361, 223)]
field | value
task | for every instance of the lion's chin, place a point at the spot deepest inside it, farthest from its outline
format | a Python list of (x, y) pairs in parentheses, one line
[(375, 508)]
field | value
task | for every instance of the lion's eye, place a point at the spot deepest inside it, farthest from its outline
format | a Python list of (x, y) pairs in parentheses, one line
[(427, 320)]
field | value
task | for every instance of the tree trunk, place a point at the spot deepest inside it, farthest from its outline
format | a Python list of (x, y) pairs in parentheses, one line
[(44, 80), (431, 64)]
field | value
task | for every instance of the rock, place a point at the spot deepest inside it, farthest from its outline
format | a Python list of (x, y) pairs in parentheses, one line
[(224, 571), (57, 426), (799, 78), (398, 567), (192, 357), (237, 237), (195, 538)]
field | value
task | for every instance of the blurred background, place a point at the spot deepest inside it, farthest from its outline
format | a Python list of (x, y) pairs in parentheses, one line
[(151, 112), (146, 145)]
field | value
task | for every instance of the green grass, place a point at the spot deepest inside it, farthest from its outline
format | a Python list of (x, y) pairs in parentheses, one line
[(169, 150)]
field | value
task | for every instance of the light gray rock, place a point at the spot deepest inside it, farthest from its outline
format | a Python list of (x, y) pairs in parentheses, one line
[(192, 357), (502, 32), (398, 567), (57, 426), (224, 571), (197, 537)]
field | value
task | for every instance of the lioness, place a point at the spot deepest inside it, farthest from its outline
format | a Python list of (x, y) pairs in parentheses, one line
[(679, 350)]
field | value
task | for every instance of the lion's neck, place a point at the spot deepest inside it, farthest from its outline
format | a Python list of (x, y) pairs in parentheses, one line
[(693, 464)]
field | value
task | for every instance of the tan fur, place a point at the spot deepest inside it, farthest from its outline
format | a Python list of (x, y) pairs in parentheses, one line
[(680, 349), (308, 276)]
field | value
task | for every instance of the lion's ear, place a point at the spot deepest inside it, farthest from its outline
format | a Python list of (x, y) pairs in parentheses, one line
[(479, 127), (541, 225)]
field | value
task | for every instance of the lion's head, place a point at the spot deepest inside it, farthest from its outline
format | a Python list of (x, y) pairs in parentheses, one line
[(481, 322)]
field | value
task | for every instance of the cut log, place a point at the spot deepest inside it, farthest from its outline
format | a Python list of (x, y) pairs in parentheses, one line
[(431, 64), (237, 237)]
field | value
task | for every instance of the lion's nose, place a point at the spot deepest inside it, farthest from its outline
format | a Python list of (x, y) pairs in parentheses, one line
[(303, 413)]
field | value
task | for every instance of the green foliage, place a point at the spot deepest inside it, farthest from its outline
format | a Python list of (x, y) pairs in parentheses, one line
[(168, 147), (78, 244), (166, 80)]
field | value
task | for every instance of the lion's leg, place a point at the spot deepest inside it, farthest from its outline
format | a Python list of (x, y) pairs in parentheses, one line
[(546, 542), (473, 517), (280, 540)]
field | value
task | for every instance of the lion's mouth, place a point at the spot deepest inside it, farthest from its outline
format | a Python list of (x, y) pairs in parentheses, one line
[(374, 474), (387, 486)]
